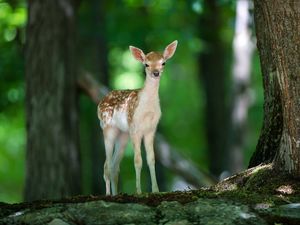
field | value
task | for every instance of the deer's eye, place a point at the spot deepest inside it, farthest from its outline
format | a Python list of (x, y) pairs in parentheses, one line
[(146, 65), (164, 63)]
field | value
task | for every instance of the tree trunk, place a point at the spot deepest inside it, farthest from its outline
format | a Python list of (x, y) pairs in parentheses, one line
[(277, 27), (98, 150), (214, 76), (52, 160), (94, 58), (269, 140)]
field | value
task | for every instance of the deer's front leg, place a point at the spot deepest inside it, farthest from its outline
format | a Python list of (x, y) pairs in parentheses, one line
[(148, 140), (136, 140)]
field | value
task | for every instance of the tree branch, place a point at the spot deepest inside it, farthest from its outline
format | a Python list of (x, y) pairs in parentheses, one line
[(171, 159), (91, 87), (165, 154)]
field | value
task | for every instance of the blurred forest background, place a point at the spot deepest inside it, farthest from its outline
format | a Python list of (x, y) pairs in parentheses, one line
[(211, 91)]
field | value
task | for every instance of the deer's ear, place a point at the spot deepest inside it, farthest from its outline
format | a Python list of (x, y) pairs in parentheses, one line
[(170, 50), (137, 53)]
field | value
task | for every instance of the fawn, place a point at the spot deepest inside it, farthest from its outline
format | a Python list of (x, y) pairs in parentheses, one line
[(134, 114)]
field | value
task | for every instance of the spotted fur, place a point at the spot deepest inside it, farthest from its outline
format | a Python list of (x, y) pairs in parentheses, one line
[(118, 100)]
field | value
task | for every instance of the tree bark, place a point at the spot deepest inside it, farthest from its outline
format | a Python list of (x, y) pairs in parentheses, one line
[(269, 140), (278, 28), (215, 77), (52, 159)]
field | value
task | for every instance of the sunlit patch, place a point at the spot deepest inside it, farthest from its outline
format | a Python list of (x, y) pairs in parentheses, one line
[(20, 213), (127, 73), (10, 34), (11, 19), (285, 189), (246, 215), (263, 206), (197, 7), (129, 62), (291, 206), (128, 80), (254, 170), (228, 187)]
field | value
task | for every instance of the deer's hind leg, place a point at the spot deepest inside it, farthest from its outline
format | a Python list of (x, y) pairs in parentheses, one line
[(117, 158), (110, 135)]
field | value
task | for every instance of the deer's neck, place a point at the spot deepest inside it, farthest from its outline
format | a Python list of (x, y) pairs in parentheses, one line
[(150, 89)]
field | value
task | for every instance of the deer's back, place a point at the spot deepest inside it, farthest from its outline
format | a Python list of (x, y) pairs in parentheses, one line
[(117, 108)]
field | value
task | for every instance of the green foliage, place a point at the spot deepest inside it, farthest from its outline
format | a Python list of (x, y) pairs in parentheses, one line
[(12, 125), (11, 19), (12, 138)]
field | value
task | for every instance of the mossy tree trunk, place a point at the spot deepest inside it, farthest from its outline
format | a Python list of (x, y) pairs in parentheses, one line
[(277, 28), (52, 159)]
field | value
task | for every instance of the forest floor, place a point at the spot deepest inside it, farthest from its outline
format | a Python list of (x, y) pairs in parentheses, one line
[(258, 195)]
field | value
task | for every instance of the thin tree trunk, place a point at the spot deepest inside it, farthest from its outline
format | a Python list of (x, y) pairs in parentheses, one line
[(93, 57), (52, 160), (101, 63), (243, 49), (214, 76), (278, 29)]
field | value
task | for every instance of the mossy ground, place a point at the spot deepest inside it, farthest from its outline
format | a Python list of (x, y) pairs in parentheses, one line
[(261, 185)]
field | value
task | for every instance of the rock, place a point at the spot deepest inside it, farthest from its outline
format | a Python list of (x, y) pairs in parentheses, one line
[(200, 211), (96, 212), (101, 212), (282, 214), (172, 213), (217, 211)]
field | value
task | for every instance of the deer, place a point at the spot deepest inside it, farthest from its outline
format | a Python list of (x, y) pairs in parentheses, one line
[(133, 114)]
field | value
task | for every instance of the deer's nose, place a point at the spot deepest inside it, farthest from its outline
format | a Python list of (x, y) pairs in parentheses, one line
[(156, 73)]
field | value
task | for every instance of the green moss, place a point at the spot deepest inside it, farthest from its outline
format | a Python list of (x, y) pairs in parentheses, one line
[(261, 184)]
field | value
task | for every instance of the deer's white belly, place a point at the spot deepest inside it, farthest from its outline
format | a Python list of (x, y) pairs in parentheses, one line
[(120, 121)]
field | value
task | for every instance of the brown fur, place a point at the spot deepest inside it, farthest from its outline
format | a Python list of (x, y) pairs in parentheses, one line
[(154, 56), (118, 100)]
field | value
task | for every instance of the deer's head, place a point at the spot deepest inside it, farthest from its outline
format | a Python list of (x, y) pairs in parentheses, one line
[(154, 61)]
